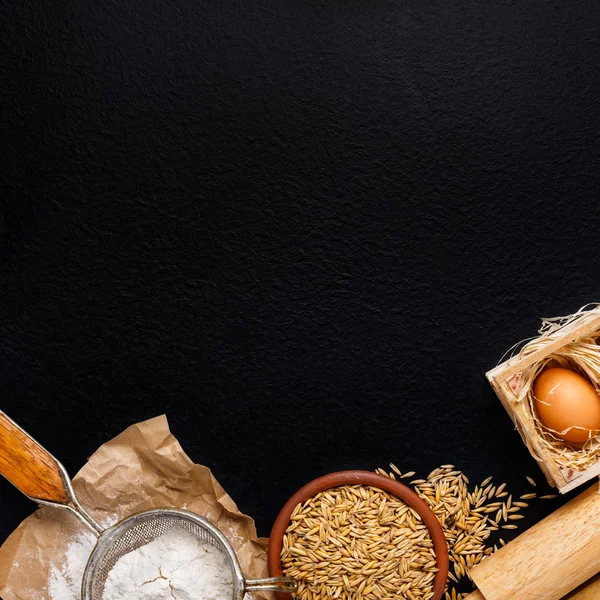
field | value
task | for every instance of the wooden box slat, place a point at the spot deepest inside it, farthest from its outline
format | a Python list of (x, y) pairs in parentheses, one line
[(507, 373)]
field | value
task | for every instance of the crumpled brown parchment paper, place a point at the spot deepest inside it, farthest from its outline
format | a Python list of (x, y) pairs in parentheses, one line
[(144, 467)]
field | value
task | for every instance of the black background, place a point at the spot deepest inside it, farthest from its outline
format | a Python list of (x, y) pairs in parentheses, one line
[(302, 230)]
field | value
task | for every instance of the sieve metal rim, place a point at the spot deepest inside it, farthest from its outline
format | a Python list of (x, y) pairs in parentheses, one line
[(113, 533), (241, 585)]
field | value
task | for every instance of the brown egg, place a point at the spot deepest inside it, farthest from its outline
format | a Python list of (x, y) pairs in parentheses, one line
[(565, 399)]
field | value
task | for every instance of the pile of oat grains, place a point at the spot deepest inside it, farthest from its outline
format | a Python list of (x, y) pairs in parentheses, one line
[(361, 543)]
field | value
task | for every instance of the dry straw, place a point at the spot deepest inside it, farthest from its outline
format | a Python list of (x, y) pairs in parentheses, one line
[(582, 356)]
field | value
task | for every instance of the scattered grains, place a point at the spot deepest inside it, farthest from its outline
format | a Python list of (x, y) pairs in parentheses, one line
[(531, 481), (465, 517), (528, 496), (409, 474), (549, 497), (394, 468)]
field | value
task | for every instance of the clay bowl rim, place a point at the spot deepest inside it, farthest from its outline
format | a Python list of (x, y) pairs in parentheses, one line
[(339, 478)]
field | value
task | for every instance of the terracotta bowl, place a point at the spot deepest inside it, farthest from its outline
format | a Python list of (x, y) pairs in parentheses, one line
[(361, 478)]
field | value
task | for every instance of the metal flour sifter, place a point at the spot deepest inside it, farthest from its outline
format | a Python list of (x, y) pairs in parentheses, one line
[(43, 479)]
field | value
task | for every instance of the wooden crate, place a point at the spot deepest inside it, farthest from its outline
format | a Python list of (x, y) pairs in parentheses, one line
[(506, 380)]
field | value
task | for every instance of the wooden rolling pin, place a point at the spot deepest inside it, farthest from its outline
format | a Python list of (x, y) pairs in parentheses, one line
[(549, 560), (590, 590)]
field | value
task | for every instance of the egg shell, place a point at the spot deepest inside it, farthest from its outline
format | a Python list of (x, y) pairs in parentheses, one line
[(566, 399)]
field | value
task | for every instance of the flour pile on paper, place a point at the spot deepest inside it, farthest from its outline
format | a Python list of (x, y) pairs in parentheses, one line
[(65, 580)]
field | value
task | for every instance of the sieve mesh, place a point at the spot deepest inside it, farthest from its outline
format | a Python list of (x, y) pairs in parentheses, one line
[(138, 531)]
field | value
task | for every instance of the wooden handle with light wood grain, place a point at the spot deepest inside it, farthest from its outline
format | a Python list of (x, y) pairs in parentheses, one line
[(28, 466)]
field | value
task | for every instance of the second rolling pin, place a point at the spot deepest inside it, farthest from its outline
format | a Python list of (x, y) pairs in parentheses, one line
[(549, 560), (590, 590)]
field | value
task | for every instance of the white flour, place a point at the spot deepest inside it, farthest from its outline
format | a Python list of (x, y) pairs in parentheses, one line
[(65, 581), (175, 566)]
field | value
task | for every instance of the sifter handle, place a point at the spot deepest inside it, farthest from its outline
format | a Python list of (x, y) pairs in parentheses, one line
[(28, 466), (271, 584)]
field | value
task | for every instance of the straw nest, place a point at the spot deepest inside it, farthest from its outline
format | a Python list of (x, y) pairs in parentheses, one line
[(582, 356)]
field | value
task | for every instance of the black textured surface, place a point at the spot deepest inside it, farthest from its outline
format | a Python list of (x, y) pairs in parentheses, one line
[(304, 230)]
